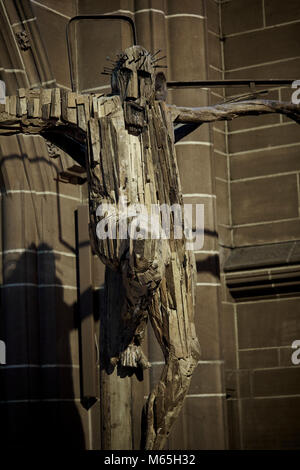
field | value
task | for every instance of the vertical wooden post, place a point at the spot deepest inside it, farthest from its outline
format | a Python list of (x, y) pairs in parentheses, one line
[(87, 333), (115, 388)]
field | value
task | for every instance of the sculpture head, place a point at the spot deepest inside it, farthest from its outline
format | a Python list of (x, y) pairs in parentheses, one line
[(133, 77)]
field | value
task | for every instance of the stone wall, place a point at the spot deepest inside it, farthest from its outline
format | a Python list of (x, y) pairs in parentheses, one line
[(259, 227)]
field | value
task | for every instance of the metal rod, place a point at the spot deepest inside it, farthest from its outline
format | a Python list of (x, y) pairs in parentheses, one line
[(228, 83), (94, 17)]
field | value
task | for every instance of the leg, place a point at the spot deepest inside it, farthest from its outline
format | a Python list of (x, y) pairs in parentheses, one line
[(142, 271), (174, 329)]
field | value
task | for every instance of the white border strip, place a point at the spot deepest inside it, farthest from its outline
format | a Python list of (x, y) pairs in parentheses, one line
[(146, 10), (189, 15), (264, 222), (39, 193), (213, 361), (194, 142), (266, 348), (275, 396), (294, 268), (219, 152), (155, 10), (41, 400), (259, 177), (199, 195), (199, 252), (275, 299), (60, 85), (262, 64), (216, 361), (264, 149), (40, 366), (249, 31), (39, 286), (50, 9), (3, 69), (88, 90), (37, 252), (258, 128), (208, 284), (129, 12), (206, 395), (38, 84), (24, 21)]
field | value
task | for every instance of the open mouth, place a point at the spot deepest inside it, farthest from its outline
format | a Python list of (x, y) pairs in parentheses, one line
[(135, 117)]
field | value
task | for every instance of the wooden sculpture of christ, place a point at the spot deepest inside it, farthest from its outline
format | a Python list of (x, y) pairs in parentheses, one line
[(131, 160)]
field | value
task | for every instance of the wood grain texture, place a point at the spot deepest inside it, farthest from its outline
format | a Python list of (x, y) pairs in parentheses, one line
[(229, 111), (131, 160), (158, 275)]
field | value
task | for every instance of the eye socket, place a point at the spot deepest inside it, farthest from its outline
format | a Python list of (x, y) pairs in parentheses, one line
[(143, 74), (126, 71)]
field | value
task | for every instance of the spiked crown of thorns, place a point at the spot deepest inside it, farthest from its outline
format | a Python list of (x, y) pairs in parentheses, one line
[(116, 65)]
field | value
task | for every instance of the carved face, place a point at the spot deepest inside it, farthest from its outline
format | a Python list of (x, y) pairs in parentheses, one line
[(133, 78)]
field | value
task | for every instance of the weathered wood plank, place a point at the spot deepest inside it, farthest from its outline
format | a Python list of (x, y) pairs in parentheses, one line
[(55, 111), (87, 332)]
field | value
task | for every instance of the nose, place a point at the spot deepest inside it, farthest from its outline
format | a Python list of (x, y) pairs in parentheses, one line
[(132, 88)]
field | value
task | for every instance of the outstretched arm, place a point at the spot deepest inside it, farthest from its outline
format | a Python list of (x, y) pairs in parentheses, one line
[(232, 110), (41, 110)]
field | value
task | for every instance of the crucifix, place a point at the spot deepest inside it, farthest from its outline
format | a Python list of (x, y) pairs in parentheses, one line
[(128, 140)]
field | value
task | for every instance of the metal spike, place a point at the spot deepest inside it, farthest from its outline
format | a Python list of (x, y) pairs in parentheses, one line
[(106, 73), (153, 55), (113, 62), (140, 56), (143, 61), (122, 60), (160, 66), (158, 59)]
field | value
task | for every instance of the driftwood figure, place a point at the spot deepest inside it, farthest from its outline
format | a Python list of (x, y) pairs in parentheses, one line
[(131, 160)]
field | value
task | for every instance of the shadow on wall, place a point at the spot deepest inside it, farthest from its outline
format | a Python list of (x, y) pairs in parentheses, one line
[(210, 264), (25, 171), (39, 385)]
